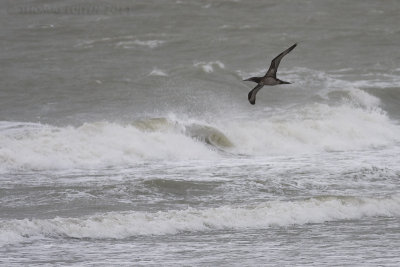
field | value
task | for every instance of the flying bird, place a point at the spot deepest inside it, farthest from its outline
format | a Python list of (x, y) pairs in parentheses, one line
[(270, 77)]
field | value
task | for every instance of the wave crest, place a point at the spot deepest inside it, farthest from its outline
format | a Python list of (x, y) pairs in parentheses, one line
[(37, 146), (312, 128), (275, 213)]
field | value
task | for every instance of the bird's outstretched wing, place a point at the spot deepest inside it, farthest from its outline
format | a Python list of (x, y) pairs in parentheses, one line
[(275, 62), (252, 93)]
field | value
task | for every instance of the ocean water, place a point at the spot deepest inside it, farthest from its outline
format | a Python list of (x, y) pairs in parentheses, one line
[(126, 136)]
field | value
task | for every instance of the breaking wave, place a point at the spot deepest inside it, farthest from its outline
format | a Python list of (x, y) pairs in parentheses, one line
[(353, 125), (38, 146), (315, 128), (120, 225)]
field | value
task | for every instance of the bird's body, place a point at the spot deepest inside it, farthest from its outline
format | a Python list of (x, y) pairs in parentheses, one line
[(270, 77)]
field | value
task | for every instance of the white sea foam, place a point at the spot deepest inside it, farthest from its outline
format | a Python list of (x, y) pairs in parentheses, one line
[(364, 99), (135, 43), (208, 67), (158, 72), (127, 42), (275, 213), (93, 144), (313, 128)]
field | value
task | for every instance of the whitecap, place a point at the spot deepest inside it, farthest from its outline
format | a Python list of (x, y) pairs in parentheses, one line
[(158, 72), (208, 67), (120, 225), (134, 43)]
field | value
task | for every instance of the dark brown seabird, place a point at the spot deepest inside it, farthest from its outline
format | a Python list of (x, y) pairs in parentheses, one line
[(270, 77)]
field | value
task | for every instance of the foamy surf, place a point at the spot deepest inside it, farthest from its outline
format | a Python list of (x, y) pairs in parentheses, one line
[(40, 146), (315, 128), (311, 128), (120, 225)]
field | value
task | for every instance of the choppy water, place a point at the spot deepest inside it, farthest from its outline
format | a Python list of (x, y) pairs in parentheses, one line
[(126, 137)]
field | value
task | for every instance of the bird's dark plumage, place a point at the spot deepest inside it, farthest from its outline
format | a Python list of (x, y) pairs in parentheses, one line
[(270, 77), (252, 93)]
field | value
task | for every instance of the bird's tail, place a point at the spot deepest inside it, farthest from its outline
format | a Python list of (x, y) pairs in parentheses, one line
[(254, 79), (283, 82)]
